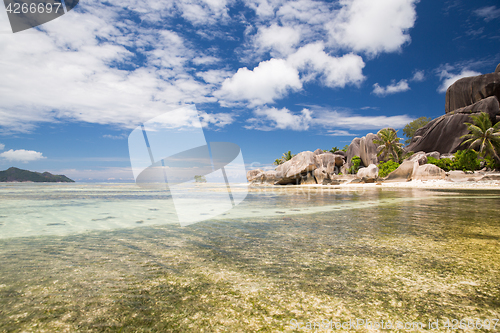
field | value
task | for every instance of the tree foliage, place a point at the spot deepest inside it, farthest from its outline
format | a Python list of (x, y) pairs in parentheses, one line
[(389, 145), (355, 164), (286, 157), (484, 136), (410, 128)]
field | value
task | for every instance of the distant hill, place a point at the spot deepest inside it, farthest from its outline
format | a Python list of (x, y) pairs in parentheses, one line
[(19, 175)]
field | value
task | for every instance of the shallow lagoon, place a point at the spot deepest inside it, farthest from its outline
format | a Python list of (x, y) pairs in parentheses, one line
[(111, 257)]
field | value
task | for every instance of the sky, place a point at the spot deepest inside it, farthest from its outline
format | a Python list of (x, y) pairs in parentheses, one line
[(268, 75)]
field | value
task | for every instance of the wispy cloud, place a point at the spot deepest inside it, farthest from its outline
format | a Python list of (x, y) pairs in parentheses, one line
[(418, 76), (2, 146), (340, 133), (393, 88), (488, 13), (336, 122), (22, 155)]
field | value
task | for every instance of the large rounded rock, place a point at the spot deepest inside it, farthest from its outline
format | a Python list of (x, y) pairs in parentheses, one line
[(443, 134), (321, 174), (291, 171), (352, 151), (403, 173), (265, 177), (368, 149), (370, 171), (420, 158), (319, 151), (429, 172), (470, 90), (253, 173), (497, 70), (322, 160)]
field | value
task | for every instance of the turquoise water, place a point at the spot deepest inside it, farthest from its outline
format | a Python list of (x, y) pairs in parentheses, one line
[(112, 257)]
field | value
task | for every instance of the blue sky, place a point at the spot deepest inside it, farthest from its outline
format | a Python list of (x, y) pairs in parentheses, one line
[(268, 75)]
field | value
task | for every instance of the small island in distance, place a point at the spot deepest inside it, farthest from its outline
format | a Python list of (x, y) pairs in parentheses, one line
[(20, 175)]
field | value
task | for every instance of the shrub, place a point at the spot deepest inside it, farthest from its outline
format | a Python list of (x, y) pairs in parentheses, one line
[(466, 160), (491, 164), (386, 168), (445, 163), (355, 164)]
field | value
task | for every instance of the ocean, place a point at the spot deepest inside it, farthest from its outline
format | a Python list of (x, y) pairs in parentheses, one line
[(113, 258)]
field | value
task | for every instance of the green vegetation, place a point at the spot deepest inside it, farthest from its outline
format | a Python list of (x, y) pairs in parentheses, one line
[(410, 128), (465, 160), (286, 157), (389, 145), (20, 175), (445, 163), (200, 179), (355, 164), (333, 150), (484, 136), (345, 148), (385, 168)]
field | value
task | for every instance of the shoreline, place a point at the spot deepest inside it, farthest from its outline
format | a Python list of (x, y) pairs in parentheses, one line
[(417, 184)]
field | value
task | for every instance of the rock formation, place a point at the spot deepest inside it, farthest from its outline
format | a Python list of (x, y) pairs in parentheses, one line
[(466, 97), (370, 171)]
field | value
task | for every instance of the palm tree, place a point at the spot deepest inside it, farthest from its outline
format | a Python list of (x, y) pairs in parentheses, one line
[(483, 135), (286, 157), (278, 161), (389, 144)]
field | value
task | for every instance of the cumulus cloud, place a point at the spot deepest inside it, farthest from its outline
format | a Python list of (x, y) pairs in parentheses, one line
[(393, 88), (447, 78), (22, 155), (278, 39), (334, 71), (96, 65), (488, 13), (270, 80), (373, 26), (336, 122)]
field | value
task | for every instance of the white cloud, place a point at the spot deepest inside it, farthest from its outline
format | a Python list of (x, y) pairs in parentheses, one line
[(270, 80), (279, 39), (96, 65), (418, 76), (393, 88), (488, 13), (273, 118), (448, 78), (22, 155), (2, 146), (334, 71), (267, 119), (340, 133), (373, 26)]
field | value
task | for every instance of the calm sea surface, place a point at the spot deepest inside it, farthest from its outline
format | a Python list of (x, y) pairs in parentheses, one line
[(113, 258)]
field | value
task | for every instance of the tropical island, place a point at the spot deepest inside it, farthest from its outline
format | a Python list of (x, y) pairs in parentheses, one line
[(20, 175), (461, 145)]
